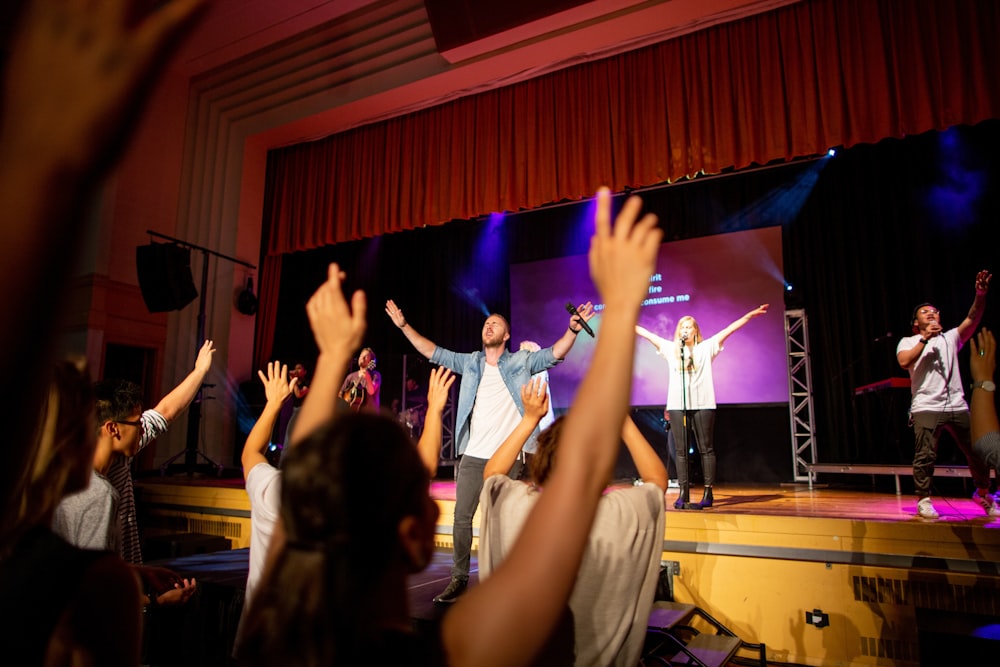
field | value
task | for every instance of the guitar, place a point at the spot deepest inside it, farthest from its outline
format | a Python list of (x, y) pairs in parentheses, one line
[(356, 395)]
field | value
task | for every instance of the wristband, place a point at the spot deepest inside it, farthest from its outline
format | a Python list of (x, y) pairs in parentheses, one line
[(925, 340), (576, 332)]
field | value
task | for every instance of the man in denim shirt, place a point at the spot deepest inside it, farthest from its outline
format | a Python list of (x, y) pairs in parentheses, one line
[(489, 407)]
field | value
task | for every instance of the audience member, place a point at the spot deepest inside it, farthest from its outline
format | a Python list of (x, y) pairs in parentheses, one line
[(614, 589), (549, 416), (337, 590), (125, 429), (263, 481), (62, 605), (984, 428)]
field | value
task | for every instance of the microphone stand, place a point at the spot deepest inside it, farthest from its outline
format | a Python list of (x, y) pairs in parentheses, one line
[(685, 378)]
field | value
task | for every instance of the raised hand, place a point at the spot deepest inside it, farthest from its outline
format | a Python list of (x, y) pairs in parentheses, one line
[(79, 73), (337, 325), (623, 258), (395, 313), (586, 311), (277, 388), (204, 361), (438, 387), (535, 397), (983, 282), (982, 361)]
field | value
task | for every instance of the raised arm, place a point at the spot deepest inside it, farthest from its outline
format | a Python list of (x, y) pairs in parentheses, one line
[(565, 343), (535, 397), (429, 445), (180, 397), (728, 331), (647, 463), (971, 321), (339, 328), (982, 403), (656, 341), (421, 344), (543, 564), (277, 389)]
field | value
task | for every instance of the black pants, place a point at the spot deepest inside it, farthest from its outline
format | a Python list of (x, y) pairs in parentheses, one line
[(700, 424)]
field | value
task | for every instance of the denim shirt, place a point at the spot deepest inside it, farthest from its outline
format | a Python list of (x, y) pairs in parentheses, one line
[(516, 369)]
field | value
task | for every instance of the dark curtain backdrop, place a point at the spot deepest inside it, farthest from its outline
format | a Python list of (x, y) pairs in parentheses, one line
[(866, 235)]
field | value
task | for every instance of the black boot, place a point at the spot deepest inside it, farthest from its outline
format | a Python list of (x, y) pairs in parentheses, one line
[(683, 498), (706, 500), (455, 588)]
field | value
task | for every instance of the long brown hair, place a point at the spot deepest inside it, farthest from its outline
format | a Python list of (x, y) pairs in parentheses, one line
[(544, 460), (319, 604), (62, 452)]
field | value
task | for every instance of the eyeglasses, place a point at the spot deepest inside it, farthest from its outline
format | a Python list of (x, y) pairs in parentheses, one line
[(928, 311), (137, 423)]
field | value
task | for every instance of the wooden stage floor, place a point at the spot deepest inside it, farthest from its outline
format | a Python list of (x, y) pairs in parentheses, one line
[(797, 500)]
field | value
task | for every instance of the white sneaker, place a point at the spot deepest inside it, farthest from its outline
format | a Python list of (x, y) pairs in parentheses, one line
[(989, 503), (926, 509), (672, 484)]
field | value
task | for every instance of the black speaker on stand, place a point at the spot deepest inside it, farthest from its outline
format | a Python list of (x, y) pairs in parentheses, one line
[(164, 271)]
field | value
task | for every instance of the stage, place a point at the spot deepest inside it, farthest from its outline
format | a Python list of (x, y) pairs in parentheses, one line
[(832, 575)]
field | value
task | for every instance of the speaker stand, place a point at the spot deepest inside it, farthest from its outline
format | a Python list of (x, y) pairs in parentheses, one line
[(191, 451)]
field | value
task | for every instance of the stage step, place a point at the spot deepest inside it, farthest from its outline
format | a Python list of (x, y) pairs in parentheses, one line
[(710, 650), (666, 615), (670, 638)]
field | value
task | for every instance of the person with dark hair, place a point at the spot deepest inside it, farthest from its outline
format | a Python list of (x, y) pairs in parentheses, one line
[(362, 388), (938, 404), (691, 395), (63, 605), (125, 428), (336, 590), (614, 589), (984, 428), (489, 407)]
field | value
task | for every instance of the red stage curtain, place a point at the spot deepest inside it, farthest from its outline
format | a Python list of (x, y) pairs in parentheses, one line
[(787, 83), (267, 314)]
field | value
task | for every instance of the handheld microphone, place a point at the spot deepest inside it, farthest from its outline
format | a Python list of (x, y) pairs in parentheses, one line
[(571, 309)]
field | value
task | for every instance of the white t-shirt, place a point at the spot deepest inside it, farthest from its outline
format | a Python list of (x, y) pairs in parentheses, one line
[(935, 378), (615, 586), (264, 489), (494, 415), (698, 387)]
